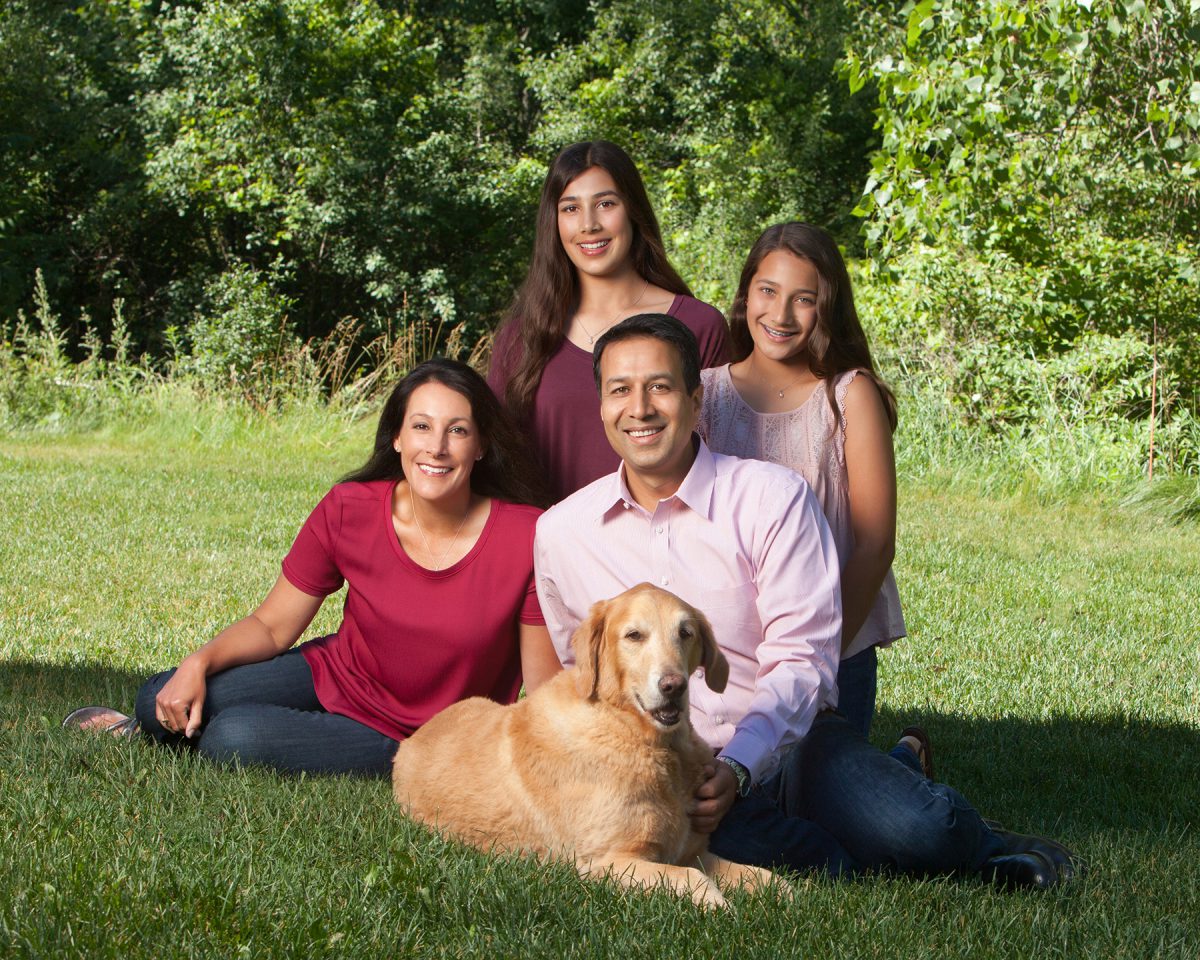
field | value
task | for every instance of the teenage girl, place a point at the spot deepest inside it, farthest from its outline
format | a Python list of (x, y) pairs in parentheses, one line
[(598, 258), (802, 391)]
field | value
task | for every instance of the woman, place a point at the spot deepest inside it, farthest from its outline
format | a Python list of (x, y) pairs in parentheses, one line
[(598, 258), (434, 537), (802, 391)]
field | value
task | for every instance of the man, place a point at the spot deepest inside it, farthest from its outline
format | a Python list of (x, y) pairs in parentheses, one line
[(746, 542)]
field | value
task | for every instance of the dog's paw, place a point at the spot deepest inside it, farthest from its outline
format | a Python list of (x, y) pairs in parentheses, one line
[(708, 896)]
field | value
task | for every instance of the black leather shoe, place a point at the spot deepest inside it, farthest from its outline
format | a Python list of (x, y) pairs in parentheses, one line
[(1020, 871), (1066, 863)]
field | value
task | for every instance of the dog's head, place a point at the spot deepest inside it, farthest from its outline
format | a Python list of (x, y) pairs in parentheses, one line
[(639, 648)]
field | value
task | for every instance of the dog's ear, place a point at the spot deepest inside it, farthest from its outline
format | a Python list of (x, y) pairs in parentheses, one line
[(588, 639), (716, 667)]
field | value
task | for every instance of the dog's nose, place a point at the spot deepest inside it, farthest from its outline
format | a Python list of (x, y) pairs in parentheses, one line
[(670, 684)]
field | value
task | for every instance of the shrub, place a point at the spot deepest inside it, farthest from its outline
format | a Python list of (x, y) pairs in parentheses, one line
[(241, 333)]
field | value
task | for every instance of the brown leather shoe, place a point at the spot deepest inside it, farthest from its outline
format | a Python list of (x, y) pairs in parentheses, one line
[(925, 752)]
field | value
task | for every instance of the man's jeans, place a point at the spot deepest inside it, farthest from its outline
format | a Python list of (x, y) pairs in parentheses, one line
[(268, 714), (841, 806)]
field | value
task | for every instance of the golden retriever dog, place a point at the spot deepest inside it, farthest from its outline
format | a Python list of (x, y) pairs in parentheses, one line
[(599, 766)]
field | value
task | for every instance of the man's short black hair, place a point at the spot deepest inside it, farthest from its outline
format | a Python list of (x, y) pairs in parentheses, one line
[(656, 326)]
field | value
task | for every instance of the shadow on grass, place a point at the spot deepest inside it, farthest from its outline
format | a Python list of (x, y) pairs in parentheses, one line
[(1069, 776)]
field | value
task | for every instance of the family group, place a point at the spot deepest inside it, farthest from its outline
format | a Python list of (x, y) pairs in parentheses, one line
[(743, 462)]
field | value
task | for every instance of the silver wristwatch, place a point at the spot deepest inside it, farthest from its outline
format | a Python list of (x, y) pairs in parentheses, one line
[(739, 771)]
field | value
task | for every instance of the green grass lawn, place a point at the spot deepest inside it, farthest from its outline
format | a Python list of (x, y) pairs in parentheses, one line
[(1052, 655)]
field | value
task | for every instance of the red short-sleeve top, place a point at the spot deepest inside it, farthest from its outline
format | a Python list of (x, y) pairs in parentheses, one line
[(412, 640)]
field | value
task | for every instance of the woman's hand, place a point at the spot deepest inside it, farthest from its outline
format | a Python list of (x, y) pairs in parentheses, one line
[(267, 632), (180, 702)]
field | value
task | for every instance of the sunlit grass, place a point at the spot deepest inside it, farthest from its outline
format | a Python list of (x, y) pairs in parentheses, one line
[(1052, 654)]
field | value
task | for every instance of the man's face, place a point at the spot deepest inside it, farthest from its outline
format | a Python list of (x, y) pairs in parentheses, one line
[(648, 414)]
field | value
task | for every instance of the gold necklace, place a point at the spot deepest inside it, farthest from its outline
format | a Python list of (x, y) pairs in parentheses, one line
[(790, 385), (592, 339), (420, 530)]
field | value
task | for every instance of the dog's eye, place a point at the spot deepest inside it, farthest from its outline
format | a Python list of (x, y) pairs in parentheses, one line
[(634, 635), (685, 633)]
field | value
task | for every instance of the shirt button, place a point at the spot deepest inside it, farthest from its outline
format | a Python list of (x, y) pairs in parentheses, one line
[(665, 580)]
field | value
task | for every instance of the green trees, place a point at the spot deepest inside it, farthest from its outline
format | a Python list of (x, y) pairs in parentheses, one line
[(1035, 197), (243, 174), (367, 159), (734, 110)]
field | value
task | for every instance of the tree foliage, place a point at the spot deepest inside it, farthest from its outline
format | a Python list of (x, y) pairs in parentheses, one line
[(1036, 190), (365, 159), (734, 108)]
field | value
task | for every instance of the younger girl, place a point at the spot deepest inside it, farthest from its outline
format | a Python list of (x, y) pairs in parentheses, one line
[(802, 391)]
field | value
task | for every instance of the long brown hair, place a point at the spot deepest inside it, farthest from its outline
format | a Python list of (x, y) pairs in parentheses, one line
[(507, 469), (550, 294), (837, 343)]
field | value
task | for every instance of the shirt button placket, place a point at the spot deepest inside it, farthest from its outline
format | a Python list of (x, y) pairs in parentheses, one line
[(661, 555)]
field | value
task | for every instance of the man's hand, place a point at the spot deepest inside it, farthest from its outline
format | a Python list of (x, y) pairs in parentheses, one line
[(714, 797)]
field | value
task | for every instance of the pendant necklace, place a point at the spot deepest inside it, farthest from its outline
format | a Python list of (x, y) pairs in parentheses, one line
[(421, 531), (591, 339), (790, 385)]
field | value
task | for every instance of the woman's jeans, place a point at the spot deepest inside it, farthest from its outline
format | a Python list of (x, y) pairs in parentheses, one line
[(857, 682), (268, 714), (841, 806)]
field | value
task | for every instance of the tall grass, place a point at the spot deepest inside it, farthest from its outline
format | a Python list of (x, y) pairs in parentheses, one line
[(1063, 434), (50, 386)]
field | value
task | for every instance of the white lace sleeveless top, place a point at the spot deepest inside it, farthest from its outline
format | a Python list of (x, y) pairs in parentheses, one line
[(811, 442)]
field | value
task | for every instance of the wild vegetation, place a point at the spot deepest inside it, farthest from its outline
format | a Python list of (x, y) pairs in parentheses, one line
[(232, 189)]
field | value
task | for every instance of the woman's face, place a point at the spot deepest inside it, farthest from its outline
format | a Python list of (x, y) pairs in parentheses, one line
[(594, 225), (781, 305), (438, 442)]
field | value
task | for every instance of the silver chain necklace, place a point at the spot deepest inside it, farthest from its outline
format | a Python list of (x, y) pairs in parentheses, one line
[(421, 531), (612, 322)]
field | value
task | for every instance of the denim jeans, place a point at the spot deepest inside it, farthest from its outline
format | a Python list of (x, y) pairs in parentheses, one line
[(268, 714), (840, 806), (857, 682)]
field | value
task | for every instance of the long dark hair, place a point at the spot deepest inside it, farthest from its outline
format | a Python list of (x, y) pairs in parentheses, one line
[(838, 342), (507, 470), (550, 294)]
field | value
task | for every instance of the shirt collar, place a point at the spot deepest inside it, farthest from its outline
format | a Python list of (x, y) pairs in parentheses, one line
[(696, 491), (697, 488)]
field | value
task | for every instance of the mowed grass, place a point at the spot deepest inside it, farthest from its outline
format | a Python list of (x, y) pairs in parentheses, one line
[(1052, 655)]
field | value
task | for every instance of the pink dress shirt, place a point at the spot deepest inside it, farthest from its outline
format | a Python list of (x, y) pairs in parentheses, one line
[(745, 542)]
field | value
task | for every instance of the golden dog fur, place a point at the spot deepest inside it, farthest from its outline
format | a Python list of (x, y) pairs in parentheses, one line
[(599, 766)]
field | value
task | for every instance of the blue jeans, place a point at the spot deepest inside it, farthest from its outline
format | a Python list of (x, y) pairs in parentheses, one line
[(857, 682), (268, 714), (841, 806)]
